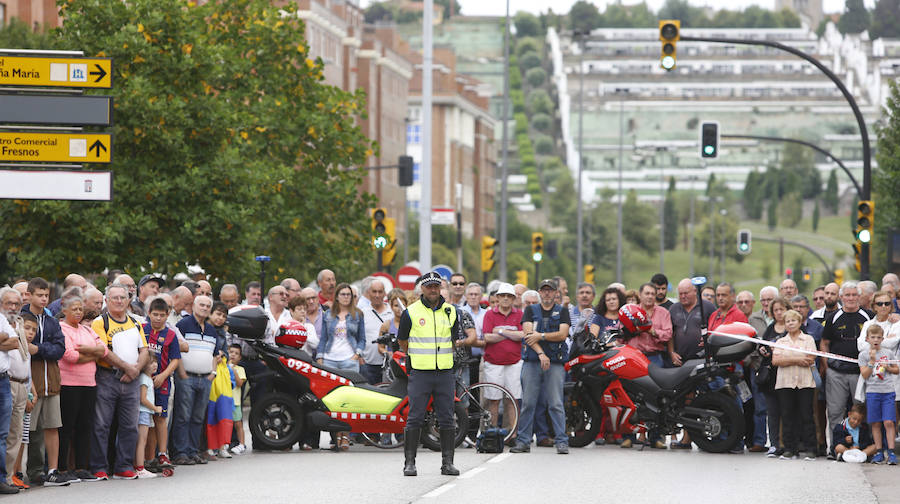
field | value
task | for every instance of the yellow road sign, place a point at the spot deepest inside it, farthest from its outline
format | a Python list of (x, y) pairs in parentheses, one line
[(57, 72), (56, 147)]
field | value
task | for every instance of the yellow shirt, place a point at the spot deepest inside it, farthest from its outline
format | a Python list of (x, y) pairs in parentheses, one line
[(125, 338)]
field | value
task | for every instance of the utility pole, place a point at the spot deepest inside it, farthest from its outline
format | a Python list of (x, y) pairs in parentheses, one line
[(504, 158), (621, 195), (579, 263), (425, 178)]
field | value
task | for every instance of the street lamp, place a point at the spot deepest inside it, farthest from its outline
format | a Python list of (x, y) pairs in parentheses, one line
[(622, 92), (579, 209)]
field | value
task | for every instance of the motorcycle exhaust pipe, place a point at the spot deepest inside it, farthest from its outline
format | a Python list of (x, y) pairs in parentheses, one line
[(689, 423), (702, 412)]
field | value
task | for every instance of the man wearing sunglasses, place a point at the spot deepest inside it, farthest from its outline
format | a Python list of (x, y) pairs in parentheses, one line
[(457, 289)]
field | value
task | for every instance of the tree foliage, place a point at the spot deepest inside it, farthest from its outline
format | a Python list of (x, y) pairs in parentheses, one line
[(671, 217), (527, 25), (536, 77), (886, 182), (855, 18), (227, 145), (885, 19), (831, 199)]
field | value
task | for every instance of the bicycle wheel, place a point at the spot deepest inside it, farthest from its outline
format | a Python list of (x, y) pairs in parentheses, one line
[(383, 440), (481, 416)]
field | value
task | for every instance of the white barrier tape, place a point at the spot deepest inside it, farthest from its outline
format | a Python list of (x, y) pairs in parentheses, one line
[(827, 355)]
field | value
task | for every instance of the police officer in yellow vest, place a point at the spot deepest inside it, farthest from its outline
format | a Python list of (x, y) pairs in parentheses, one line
[(427, 332)]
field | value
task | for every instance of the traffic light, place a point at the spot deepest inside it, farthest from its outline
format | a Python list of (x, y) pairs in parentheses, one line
[(807, 274), (865, 213), (743, 241), (669, 33), (788, 273), (522, 277), (379, 230), (390, 231), (839, 276), (405, 177), (487, 253), (589, 273), (537, 247), (709, 140)]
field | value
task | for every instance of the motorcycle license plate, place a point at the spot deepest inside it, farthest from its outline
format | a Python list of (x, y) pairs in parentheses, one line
[(744, 391)]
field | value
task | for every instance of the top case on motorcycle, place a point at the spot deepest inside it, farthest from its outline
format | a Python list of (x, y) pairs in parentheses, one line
[(725, 349), (669, 378)]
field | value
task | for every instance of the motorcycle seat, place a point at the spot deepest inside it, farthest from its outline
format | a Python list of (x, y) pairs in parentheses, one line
[(353, 376), (397, 388), (669, 378)]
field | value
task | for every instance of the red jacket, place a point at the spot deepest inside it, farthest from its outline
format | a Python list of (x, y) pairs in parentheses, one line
[(732, 315)]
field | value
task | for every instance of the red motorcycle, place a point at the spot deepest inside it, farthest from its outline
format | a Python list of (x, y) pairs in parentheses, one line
[(620, 382), (305, 392)]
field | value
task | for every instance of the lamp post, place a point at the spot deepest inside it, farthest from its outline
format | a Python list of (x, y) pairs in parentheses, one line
[(622, 92), (504, 169), (579, 268)]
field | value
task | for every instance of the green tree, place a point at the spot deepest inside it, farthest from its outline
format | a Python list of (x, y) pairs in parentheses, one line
[(815, 217), (831, 197), (210, 137), (886, 182), (543, 144), (798, 167), (527, 25), (378, 11), (17, 34), (526, 44), (690, 16), (536, 77), (855, 18), (670, 210), (885, 19), (539, 102), (754, 196), (772, 214), (529, 60), (637, 221), (584, 16), (541, 122), (790, 209)]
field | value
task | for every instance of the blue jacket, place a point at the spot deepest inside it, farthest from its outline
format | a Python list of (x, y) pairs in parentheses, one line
[(356, 332), (49, 339)]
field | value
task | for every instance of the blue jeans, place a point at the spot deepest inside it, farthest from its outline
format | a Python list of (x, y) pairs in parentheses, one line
[(541, 428), (122, 401), (534, 379), (191, 401), (350, 364), (5, 415), (759, 413)]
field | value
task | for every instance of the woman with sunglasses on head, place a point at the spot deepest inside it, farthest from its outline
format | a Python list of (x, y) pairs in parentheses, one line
[(884, 308), (342, 340)]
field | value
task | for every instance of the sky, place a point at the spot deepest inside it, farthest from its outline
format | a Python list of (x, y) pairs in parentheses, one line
[(498, 7)]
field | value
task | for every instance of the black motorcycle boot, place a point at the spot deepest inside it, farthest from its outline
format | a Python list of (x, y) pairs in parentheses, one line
[(448, 444), (410, 445)]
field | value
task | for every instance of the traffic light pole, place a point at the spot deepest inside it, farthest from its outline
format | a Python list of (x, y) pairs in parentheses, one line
[(811, 146), (866, 192), (782, 242)]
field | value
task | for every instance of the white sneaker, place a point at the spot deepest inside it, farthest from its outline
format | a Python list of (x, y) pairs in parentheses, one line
[(145, 474), (238, 449), (772, 452), (223, 453)]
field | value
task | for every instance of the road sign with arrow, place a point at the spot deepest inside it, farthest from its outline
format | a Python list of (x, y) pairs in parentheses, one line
[(49, 71), (55, 147)]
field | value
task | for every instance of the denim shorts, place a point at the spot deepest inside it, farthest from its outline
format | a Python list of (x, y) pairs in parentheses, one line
[(145, 418), (880, 407)]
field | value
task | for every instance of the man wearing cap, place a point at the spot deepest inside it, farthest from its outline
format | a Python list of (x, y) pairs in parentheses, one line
[(147, 288), (546, 327), (426, 333), (503, 336)]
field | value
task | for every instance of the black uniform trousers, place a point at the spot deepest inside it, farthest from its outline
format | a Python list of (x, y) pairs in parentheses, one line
[(424, 385)]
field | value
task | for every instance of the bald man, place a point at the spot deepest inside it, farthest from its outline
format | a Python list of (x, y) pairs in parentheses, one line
[(182, 301), (204, 289), (788, 288), (229, 295), (72, 280), (327, 282), (292, 286)]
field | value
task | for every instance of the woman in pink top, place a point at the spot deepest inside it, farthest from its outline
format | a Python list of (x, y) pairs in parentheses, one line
[(78, 394)]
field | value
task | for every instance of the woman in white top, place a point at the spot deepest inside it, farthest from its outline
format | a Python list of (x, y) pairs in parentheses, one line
[(795, 386), (882, 302)]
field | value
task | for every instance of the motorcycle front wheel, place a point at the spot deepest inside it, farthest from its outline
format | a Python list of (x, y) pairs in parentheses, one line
[(721, 433), (431, 436), (583, 418)]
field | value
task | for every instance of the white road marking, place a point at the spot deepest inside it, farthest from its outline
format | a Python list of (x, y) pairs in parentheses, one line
[(439, 490), (500, 458), (472, 472)]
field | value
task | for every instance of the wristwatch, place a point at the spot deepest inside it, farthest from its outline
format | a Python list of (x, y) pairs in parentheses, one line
[(543, 336), (500, 331)]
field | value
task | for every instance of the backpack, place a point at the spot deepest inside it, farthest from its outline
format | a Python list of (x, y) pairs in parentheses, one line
[(491, 440), (105, 317)]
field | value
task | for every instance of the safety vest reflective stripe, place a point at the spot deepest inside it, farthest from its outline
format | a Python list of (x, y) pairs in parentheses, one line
[(430, 336), (430, 351)]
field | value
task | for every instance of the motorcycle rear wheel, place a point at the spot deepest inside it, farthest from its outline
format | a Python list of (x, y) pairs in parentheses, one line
[(276, 421), (431, 436), (722, 433), (583, 419)]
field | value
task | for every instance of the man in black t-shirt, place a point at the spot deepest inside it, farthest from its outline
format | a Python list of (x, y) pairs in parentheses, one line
[(842, 329), (662, 290)]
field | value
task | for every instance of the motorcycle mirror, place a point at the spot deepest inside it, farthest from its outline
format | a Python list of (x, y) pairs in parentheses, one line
[(697, 281)]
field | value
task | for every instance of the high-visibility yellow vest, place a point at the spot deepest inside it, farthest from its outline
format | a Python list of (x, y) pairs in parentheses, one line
[(430, 336)]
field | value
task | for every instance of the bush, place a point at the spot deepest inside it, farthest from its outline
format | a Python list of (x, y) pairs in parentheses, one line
[(527, 24), (518, 100), (543, 145), (536, 76), (529, 60), (515, 77), (525, 45), (539, 102), (541, 122), (521, 123)]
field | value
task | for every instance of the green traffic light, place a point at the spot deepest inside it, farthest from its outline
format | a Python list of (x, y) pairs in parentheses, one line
[(709, 150), (380, 242), (864, 236), (744, 246), (537, 257), (667, 62)]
